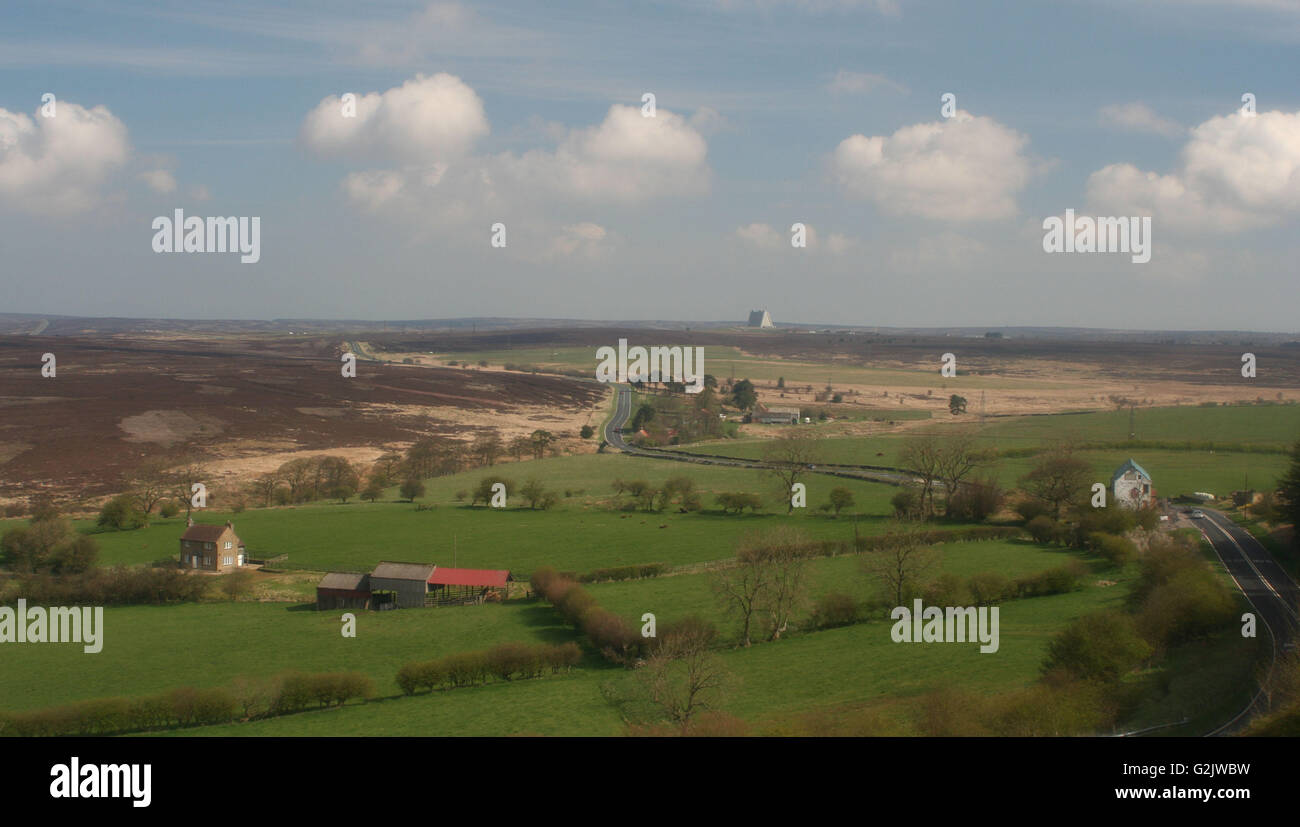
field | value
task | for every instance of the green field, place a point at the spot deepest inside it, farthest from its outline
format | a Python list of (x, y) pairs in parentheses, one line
[(579, 534)]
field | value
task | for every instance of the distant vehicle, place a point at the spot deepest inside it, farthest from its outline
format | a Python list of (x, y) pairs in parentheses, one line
[(1164, 518), (1198, 514)]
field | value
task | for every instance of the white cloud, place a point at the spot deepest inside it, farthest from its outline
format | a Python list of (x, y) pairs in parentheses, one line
[(1236, 172), (59, 165), (1138, 117), (846, 82), (424, 120), (159, 180), (626, 158), (763, 236), (200, 193), (965, 168), (583, 239)]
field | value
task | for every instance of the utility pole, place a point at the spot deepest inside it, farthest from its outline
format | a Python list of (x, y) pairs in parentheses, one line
[(981, 410), (1132, 428)]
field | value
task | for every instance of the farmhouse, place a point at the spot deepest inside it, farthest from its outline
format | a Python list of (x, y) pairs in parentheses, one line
[(211, 547), (775, 415), (411, 586), (343, 590), (1131, 485)]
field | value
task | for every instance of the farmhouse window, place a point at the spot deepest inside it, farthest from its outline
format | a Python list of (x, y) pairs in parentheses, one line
[(227, 546), (227, 560)]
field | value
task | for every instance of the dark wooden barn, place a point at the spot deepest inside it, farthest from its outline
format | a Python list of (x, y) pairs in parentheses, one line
[(343, 590), (400, 586)]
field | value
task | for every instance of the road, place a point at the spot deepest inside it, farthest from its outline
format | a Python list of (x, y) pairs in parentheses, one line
[(1268, 588)]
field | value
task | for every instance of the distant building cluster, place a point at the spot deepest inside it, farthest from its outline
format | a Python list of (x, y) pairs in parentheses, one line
[(410, 586)]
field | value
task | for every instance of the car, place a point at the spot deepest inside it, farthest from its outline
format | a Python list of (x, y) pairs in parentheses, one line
[(1198, 514)]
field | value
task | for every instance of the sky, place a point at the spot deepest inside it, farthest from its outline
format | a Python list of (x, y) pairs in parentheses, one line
[(920, 144)]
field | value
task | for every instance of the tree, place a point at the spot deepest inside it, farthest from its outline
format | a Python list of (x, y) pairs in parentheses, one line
[(264, 487), (190, 471), (411, 489), (374, 489), (841, 498), (1059, 479), (486, 448), (902, 563), (151, 483), (766, 582), (683, 677), (743, 394), (541, 440), (922, 456), (387, 469), (47, 543), (337, 478), (644, 414), (121, 514), (679, 490), (906, 503), (587, 432), (780, 381), (1289, 486), (957, 458), (956, 404), (483, 491), (535, 493), (790, 457), (519, 446)]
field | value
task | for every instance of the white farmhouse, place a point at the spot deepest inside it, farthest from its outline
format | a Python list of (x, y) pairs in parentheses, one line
[(1131, 485)]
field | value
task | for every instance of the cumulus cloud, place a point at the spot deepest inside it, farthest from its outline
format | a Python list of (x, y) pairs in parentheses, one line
[(159, 180), (965, 168), (763, 236), (625, 158), (852, 83), (1138, 117), (1236, 172), (60, 164), (583, 239), (426, 119)]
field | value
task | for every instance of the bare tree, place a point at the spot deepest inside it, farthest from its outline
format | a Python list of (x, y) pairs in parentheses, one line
[(790, 457), (264, 487), (902, 563), (151, 483), (922, 456), (767, 581), (683, 677), (486, 448), (957, 458), (191, 470)]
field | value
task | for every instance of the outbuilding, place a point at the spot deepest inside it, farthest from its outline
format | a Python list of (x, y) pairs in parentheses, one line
[(343, 590), (1131, 485), (469, 585), (400, 585)]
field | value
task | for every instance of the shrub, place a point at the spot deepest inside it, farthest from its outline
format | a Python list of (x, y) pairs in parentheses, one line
[(169, 509), (989, 587), (1118, 551), (834, 609), (120, 514), (947, 589), (1042, 528), (1052, 581), (1099, 646)]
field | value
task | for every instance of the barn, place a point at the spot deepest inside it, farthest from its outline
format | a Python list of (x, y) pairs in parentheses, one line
[(343, 590), (400, 585), (469, 585), (1131, 485)]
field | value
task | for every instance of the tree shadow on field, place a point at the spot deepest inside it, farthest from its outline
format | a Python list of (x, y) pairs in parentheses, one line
[(547, 625)]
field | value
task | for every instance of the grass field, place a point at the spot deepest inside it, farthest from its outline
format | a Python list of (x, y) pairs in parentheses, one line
[(579, 534)]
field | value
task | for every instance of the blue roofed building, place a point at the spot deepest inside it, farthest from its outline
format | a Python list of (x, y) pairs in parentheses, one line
[(1131, 485)]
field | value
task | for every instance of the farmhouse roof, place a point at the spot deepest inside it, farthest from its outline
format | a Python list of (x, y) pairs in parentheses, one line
[(205, 533), (403, 571), (469, 577), (347, 581), (1129, 465)]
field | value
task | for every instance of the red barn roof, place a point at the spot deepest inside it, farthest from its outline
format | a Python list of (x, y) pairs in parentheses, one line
[(469, 577)]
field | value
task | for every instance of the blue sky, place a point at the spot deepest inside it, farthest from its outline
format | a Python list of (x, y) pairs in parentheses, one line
[(823, 112)]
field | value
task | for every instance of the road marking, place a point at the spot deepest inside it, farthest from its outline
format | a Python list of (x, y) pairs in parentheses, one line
[(1258, 574)]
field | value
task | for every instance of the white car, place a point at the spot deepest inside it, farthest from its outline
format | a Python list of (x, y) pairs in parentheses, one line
[(1198, 514)]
